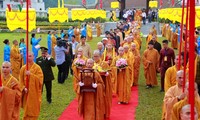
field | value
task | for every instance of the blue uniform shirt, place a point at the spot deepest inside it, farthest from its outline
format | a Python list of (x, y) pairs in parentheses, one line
[(7, 53)]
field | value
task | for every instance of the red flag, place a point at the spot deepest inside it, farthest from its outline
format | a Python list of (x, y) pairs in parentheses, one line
[(9, 7), (97, 7), (101, 4), (21, 2), (29, 3), (84, 2), (161, 3), (173, 2)]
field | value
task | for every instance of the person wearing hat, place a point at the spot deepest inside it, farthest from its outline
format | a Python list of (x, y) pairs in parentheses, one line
[(151, 62), (45, 61)]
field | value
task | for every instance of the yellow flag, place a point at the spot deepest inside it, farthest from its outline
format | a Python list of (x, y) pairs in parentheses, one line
[(58, 3)]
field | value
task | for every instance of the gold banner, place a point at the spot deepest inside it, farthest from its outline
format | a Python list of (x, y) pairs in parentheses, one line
[(82, 14), (59, 14), (17, 19), (175, 14)]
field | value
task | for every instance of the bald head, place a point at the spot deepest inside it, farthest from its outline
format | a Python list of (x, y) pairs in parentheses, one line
[(187, 89), (126, 48), (185, 113), (6, 68), (80, 51), (121, 51), (179, 78), (90, 63), (30, 56)]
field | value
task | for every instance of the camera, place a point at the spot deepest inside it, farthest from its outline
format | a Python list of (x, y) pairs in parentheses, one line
[(62, 43)]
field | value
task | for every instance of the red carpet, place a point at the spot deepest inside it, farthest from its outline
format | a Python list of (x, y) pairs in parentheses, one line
[(118, 112)]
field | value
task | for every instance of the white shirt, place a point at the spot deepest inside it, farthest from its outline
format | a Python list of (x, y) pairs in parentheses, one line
[(144, 14)]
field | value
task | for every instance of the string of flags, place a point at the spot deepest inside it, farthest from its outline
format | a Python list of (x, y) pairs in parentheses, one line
[(15, 7)]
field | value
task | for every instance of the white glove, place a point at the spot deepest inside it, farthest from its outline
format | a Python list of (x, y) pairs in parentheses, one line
[(107, 73), (81, 84), (94, 85)]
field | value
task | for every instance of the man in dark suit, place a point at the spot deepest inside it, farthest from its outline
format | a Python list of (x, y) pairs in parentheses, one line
[(46, 62)]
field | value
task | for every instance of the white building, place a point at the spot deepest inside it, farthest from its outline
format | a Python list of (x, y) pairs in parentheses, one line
[(37, 4)]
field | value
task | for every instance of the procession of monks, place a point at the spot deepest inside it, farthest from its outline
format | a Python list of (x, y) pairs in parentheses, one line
[(110, 71)]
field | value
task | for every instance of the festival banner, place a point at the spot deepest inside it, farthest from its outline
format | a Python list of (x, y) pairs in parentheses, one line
[(17, 19)]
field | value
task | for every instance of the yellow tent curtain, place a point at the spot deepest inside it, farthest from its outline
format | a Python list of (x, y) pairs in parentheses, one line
[(153, 4), (82, 14), (59, 14), (114, 4), (175, 14), (17, 19)]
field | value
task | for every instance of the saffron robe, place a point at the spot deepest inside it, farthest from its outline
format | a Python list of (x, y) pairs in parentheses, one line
[(91, 104), (31, 101), (16, 61), (150, 68), (10, 99)]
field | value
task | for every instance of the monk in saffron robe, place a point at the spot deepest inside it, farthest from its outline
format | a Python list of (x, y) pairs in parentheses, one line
[(137, 58), (164, 30), (15, 59), (76, 69), (77, 34), (91, 104), (53, 42), (168, 32), (98, 27), (170, 74), (173, 95), (102, 66), (149, 38), (31, 89), (129, 56), (153, 29), (175, 40), (123, 88), (89, 32), (108, 56), (130, 41), (186, 112), (150, 60), (138, 39), (10, 95), (178, 106)]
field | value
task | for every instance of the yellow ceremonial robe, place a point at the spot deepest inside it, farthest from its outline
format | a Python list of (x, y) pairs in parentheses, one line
[(53, 44), (169, 100), (170, 77), (76, 71), (16, 61), (123, 88), (108, 87), (149, 38), (129, 56), (178, 106), (31, 102), (91, 104), (89, 32), (10, 99), (98, 27), (136, 71), (77, 34), (150, 68)]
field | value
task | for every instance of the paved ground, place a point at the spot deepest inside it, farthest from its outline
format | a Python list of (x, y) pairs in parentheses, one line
[(146, 28)]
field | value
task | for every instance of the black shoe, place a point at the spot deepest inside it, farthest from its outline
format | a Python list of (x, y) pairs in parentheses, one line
[(49, 101), (161, 90)]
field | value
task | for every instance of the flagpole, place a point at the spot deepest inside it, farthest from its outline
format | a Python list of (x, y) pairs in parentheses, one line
[(192, 56), (27, 41)]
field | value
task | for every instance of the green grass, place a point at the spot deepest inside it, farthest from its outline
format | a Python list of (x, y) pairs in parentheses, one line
[(150, 100), (62, 95)]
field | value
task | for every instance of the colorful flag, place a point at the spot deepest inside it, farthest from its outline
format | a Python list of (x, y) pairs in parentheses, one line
[(161, 3), (101, 4), (173, 2), (9, 7), (84, 2)]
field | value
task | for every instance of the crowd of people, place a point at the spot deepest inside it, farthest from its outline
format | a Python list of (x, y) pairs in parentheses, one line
[(111, 70)]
